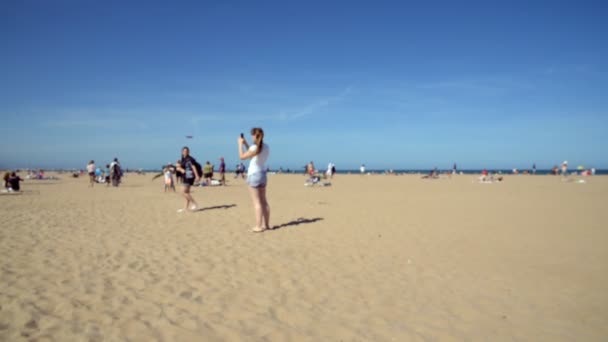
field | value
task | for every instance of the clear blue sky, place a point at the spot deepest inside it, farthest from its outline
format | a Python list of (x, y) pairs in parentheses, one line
[(390, 84)]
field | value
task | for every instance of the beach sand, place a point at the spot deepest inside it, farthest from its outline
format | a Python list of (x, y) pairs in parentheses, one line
[(371, 258)]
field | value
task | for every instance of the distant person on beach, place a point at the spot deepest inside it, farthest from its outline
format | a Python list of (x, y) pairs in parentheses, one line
[(257, 180), (310, 170), (331, 169), (91, 172), (362, 169), (6, 177), (187, 166), (107, 175), (208, 172), (115, 172), (168, 176), (222, 171), (179, 176), (13, 182), (534, 168), (237, 171), (454, 169), (565, 169), (240, 171)]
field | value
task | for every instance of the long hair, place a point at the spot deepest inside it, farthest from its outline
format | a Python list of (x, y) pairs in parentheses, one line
[(258, 139)]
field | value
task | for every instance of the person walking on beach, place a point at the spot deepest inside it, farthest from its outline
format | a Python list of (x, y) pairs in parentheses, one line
[(115, 172), (187, 166), (91, 172), (362, 169), (258, 152), (222, 171), (534, 168)]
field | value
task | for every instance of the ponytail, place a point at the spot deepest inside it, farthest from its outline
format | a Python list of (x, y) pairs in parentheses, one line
[(258, 139)]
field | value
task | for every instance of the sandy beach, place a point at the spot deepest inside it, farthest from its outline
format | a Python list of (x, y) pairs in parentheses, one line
[(371, 258)]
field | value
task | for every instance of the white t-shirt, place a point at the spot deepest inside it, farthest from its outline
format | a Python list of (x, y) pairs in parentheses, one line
[(91, 168), (258, 163)]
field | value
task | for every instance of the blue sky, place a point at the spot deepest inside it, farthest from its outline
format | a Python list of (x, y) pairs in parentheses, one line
[(390, 84)]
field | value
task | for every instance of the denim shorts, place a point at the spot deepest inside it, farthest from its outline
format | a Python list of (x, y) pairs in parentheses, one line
[(257, 180)]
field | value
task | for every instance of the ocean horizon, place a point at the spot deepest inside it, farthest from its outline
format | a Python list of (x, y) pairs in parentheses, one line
[(373, 171)]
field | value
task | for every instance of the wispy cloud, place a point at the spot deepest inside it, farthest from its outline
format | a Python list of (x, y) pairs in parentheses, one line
[(318, 105), (283, 115)]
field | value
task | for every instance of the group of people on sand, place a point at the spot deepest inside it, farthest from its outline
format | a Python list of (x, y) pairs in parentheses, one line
[(257, 176), (112, 175), (12, 182)]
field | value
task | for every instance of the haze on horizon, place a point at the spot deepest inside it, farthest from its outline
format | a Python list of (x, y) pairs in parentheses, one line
[(389, 84)]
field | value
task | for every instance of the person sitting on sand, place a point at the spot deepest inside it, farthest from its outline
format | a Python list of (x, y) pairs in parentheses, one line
[(310, 169), (208, 173), (13, 182), (433, 174), (484, 176), (258, 152)]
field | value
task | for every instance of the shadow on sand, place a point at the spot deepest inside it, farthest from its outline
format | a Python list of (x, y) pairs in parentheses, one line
[(297, 222), (226, 206)]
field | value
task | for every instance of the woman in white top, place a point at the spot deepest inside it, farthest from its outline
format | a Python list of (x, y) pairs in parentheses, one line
[(258, 152)]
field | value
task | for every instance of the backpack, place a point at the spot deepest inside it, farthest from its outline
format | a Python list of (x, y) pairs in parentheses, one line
[(198, 166)]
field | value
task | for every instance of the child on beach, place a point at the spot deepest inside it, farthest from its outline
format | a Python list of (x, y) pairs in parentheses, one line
[(168, 174), (258, 152)]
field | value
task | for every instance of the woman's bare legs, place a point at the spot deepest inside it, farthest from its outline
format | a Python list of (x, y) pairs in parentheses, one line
[(261, 207), (265, 208), (188, 198), (257, 206)]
